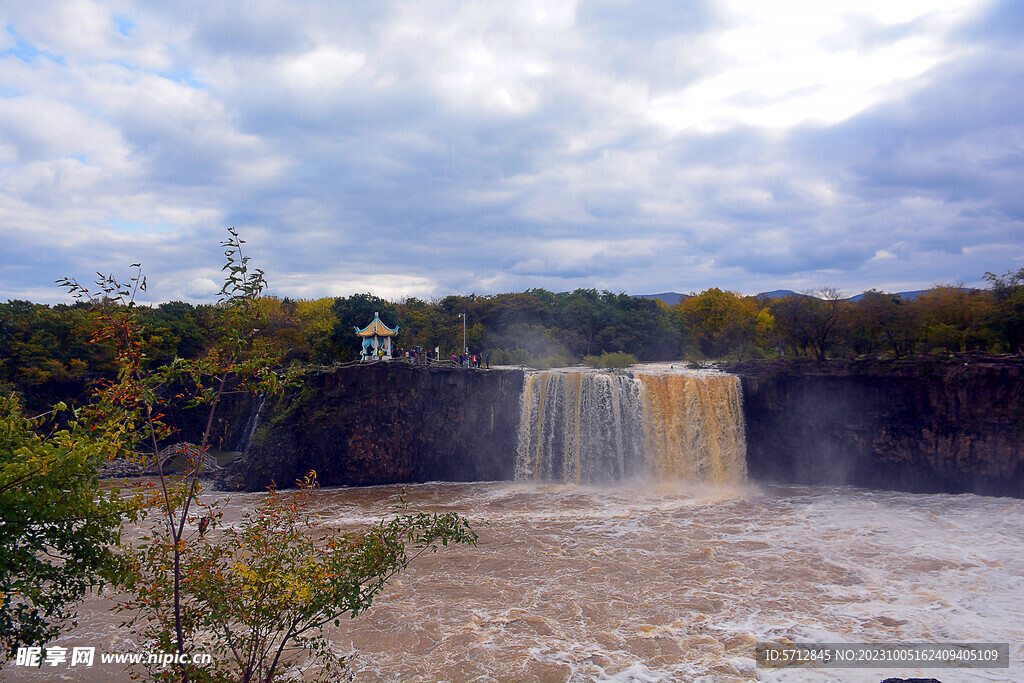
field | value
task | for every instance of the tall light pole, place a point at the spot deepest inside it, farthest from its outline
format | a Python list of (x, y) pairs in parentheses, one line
[(464, 348)]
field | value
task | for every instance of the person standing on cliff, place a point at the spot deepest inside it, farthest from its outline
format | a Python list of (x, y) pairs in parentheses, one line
[(487, 359)]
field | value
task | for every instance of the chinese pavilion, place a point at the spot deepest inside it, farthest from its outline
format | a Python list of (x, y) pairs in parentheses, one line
[(376, 340)]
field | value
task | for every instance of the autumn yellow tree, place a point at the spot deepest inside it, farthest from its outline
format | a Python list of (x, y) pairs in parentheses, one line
[(720, 323)]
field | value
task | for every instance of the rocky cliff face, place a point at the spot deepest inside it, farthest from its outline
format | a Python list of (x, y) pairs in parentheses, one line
[(924, 426), (387, 423)]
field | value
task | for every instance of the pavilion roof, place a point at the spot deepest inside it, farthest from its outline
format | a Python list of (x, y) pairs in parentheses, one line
[(377, 329)]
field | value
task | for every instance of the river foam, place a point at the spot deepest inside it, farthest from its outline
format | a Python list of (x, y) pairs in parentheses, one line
[(674, 583)]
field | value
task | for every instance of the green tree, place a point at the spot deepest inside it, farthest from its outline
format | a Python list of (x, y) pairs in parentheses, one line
[(425, 325), (889, 316), (1007, 293), (638, 326), (57, 526), (45, 353), (720, 323), (357, 311), (809, 320), (316, 318), (283, 332), (952, 318), (580, 316), (766, 331), (177, 321)]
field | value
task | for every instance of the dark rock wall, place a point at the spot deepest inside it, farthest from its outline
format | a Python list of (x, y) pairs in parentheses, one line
[(923, 426), (387, 423)]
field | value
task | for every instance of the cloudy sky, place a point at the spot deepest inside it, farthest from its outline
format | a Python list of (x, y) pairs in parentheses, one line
[(431, 148)]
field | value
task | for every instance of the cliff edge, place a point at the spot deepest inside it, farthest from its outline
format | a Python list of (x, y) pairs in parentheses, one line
[(386, 423)]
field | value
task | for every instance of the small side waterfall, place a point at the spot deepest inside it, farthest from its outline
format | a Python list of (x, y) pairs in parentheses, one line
[(252, 422), (597, 427)]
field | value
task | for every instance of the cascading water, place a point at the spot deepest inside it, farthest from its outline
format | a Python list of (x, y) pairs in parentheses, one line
[(580, 427), (253, 422), (596, 427)]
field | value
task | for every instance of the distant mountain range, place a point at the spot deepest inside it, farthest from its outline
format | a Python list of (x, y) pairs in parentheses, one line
[(909, 296), (673, 298), (670, 298)]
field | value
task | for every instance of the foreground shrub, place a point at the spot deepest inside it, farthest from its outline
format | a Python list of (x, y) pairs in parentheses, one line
[(252, 598), (57, 527), (256, 595)]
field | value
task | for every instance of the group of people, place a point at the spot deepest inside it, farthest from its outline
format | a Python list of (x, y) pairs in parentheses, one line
[(418, 356), (474, 360)]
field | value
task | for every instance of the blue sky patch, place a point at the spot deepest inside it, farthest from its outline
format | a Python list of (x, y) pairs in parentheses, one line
[(124, 24), (27, 52)]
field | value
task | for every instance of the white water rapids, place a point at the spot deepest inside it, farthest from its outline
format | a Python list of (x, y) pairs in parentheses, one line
[(666, 583)]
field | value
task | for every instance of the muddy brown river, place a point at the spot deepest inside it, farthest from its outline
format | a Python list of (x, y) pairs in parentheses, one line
[(663, 583)]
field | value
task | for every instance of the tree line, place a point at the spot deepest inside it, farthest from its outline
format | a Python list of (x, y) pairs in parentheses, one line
[(46, 354)]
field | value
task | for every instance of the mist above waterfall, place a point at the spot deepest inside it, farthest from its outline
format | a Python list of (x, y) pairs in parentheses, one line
[(598, 427)]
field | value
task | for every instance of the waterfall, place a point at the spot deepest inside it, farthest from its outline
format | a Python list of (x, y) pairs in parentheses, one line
[(693, 425), (598, 427), (253, 421)]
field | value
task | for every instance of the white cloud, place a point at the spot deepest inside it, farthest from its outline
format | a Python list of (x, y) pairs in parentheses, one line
[(776, 71), (321, 69), (201, 288), (390, 286)]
